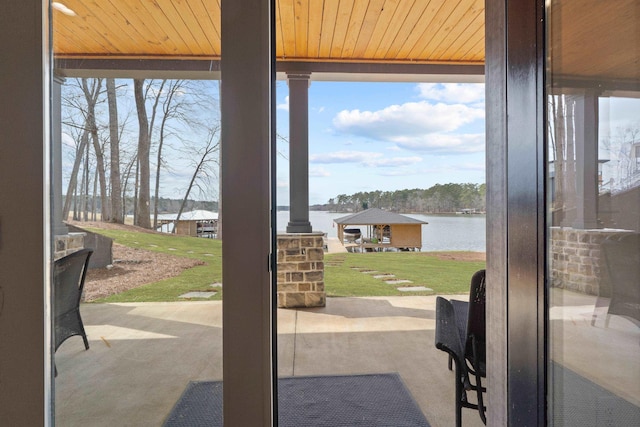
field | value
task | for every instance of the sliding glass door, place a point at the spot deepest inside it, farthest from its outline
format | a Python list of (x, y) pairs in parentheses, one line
[(593, 213)]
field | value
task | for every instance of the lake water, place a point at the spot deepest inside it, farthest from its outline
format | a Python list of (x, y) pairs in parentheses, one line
[(443, 233)]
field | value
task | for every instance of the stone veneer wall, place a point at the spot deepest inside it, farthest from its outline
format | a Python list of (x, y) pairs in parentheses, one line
[(301, 270), (68, 243), (576, 261)]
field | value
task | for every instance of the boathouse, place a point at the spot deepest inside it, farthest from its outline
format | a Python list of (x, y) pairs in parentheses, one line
[(384, 230)]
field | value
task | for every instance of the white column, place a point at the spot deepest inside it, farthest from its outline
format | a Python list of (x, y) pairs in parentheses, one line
[(299, 153), (586, 146)]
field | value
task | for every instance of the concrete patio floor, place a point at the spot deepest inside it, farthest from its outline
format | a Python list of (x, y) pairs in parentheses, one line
[(143, 355)]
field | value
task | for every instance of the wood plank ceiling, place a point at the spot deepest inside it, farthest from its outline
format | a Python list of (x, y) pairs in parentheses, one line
[(595, 39), (388, 31), (448, 32)]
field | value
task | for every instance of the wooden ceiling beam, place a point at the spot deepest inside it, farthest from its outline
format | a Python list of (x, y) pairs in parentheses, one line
[(210, 69)]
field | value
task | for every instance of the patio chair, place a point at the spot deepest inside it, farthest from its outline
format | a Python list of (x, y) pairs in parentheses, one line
[(463, 336), (68, 282), (621, 257)]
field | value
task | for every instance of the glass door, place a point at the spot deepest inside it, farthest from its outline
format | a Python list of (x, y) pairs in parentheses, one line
[(136, 131), (593, 205)]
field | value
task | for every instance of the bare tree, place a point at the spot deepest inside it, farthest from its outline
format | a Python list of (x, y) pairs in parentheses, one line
[(202, 165), (85, 186), (170, 109), (91, 89), (73, 180), (562, 138), (114, 150), (142, 217)]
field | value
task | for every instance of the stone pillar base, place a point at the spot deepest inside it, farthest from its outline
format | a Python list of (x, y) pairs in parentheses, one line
[(576, 259), (301, 270), (68, 243)]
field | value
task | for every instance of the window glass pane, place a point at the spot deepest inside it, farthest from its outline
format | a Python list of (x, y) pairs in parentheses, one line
[(393, 227), (136, 134), (593, 212)]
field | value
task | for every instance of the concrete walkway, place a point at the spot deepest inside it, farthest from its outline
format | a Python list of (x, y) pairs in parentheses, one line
[(143, 355)]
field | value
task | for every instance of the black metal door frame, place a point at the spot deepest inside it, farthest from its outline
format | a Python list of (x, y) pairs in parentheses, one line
[(516, 211)]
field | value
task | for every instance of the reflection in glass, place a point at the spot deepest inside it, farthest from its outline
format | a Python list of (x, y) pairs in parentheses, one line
[(593, 213)]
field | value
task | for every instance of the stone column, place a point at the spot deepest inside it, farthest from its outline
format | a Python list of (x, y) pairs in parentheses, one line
[(299, 153), (586, 134), (57, 227), (301, 270)]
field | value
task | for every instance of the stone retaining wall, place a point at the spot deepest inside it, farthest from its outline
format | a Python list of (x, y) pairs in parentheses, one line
[(67, 243), (576, 261), (301, 270)]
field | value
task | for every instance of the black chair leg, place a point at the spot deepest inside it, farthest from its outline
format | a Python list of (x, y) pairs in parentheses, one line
[(459, 393), (479, 389)]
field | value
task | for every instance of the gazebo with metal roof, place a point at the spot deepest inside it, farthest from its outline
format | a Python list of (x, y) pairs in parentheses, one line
[(385, 230)]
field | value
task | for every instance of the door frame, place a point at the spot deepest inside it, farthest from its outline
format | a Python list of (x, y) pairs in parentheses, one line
[(516, 232), (515, 117)]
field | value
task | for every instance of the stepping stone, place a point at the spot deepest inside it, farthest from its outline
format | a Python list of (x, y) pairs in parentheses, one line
[(198, 295), (154, 246), (171, 249), (397, 282), (384, 276), (216, 285), (368, 271), (207, 254), (415, 289)]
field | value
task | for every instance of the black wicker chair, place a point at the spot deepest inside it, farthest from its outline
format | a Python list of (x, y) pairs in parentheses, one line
[(463, 336), (68, 282), (621, 256)]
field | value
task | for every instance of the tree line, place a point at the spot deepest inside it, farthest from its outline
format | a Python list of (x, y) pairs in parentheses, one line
[(164, 205), (126, 136), (441, 198)]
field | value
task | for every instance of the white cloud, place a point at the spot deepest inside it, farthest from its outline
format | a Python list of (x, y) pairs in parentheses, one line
[(363, 158), (319, 172), (457, 93), (282, 183), (406, 121), (479, 167), (393, 161), (284, 106), (399, 172), (444, 143), (343, 157)]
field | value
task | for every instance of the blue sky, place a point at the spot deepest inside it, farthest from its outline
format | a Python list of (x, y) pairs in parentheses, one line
[(374, 136), (386, 136), (362, 137)]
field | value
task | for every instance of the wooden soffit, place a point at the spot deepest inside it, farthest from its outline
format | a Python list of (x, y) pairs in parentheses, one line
[(371, 31), (335, 33), (595, 41)]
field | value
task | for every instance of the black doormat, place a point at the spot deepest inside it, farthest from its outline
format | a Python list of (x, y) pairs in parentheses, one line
[(332, 401)]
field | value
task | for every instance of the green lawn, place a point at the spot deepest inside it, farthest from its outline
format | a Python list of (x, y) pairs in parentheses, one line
[(346, 274), (198, 278), (352, 274)]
